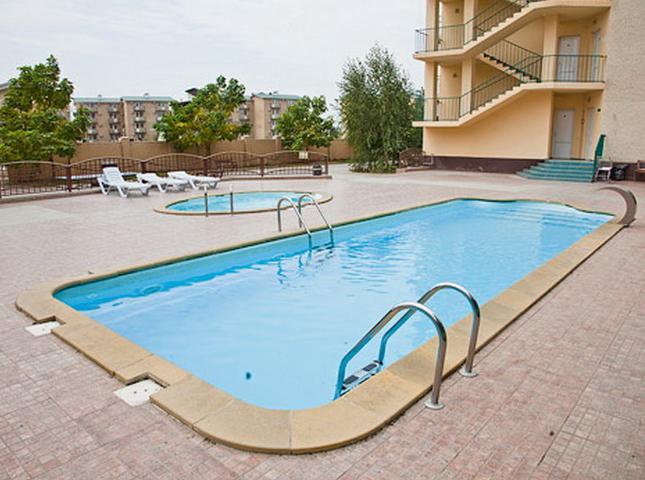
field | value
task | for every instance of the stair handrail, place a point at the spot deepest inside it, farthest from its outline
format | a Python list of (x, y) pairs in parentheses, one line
[(467, 369), (301, 221), (497, 7), (466, 103), (440, 357)]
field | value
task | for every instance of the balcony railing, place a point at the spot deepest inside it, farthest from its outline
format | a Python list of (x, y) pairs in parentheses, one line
[(449, 37), (535, 69), (573, 68)]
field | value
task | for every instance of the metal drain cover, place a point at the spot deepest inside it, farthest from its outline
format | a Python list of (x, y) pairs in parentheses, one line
[(138, 393), (39, 329)]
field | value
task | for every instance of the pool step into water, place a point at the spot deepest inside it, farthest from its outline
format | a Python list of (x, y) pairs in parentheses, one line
[(561, 170), (359, 376)]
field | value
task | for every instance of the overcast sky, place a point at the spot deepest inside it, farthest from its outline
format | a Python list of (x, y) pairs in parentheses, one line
[(163, 47)]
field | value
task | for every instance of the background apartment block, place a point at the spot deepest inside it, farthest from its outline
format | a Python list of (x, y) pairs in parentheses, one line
[(3, 91), (530, 80), (133, 117), (261, 110)]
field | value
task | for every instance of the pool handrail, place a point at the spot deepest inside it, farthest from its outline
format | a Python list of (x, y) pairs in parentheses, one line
[(441, 348), (301, 221), (315, 203), (467, 369)]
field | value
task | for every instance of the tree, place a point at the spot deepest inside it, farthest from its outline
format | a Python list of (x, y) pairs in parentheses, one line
[(377, 109), (205, 119), (303, 126), (33, 122)]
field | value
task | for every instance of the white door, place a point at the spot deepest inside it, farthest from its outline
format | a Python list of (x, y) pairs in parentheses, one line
[(562, 139), (595, 60), (589, 133), (567, 58)]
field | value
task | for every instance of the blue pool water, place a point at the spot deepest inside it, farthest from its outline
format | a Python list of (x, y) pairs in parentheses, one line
[(270, 323), (242, 202)]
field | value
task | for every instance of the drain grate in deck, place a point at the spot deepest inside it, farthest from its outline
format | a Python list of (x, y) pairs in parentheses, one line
[(138, 393), (44, 328)]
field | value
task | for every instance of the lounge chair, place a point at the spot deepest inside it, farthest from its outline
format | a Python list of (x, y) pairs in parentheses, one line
[(604, 171), (195, 181), (162, 183), (113, 179)]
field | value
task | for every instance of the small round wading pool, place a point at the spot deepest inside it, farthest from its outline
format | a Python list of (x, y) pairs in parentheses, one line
[(243, 202)]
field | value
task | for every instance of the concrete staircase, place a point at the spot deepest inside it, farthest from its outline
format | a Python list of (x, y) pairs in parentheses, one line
[(561, 170)]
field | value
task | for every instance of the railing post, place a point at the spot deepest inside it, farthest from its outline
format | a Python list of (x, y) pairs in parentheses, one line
[(205, 165), (262, 160), (142, 166), (68, 176)]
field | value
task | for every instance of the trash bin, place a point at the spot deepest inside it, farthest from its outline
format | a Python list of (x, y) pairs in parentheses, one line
[(619, 172)]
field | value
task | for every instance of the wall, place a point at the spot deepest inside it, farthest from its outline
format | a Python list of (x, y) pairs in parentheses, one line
[(624, 102), (339, 149), (580, 102), (519, 130)]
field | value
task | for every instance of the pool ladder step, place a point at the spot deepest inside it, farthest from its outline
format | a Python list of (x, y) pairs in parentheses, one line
[(298, 211), (359, 376), (344, 384)]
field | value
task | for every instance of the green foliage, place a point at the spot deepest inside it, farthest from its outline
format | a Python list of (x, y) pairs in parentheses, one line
[(303, 126), (205, 119), (33, 124), (377, 109)]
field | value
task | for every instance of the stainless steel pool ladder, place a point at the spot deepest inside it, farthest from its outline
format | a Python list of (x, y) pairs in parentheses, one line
[(298, 210), (301, 221), (467, 369), (315, 203), (344, 384)]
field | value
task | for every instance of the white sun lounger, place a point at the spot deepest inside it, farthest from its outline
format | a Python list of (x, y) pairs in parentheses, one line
[(162, 183), (195, 181), (112, 179)]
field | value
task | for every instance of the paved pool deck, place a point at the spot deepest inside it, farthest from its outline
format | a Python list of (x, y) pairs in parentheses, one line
[(561, 392)]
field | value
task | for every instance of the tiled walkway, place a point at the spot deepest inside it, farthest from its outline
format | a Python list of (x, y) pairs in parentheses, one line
[(561, 393)]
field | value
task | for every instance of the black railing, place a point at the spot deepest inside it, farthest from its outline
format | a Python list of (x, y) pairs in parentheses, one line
[(574, 68), (35, 177), (534, 69), (448, 37), (515, 58)]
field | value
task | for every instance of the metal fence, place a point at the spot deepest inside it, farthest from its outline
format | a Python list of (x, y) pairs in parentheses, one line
[(38, 177)]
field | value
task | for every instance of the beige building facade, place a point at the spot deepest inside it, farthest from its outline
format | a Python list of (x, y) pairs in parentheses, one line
[(527, 80), (115, 117), (3, 91)]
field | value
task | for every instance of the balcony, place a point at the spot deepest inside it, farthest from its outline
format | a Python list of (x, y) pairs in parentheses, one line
[(139, 130), (449, 37), (162, 108), (139, 108), (275, 106), (113, 109), (113, 120), (548, 72), (139, 119)]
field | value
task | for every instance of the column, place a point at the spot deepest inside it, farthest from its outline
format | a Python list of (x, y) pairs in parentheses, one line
[(467, 76), (550, 48)]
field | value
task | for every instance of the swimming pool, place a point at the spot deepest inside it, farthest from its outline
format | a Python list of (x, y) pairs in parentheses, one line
[(243, 202), (269, 323)]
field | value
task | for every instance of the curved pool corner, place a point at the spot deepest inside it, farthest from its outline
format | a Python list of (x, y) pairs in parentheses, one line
[(193, 206), (363, 411)]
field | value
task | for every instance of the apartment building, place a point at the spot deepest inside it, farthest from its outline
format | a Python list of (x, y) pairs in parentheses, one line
[(115, 117), (511, 83), (3, 91), (261, 110)]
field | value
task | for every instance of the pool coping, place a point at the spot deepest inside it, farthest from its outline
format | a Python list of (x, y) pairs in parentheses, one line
[(356, 415), (326, 197)]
